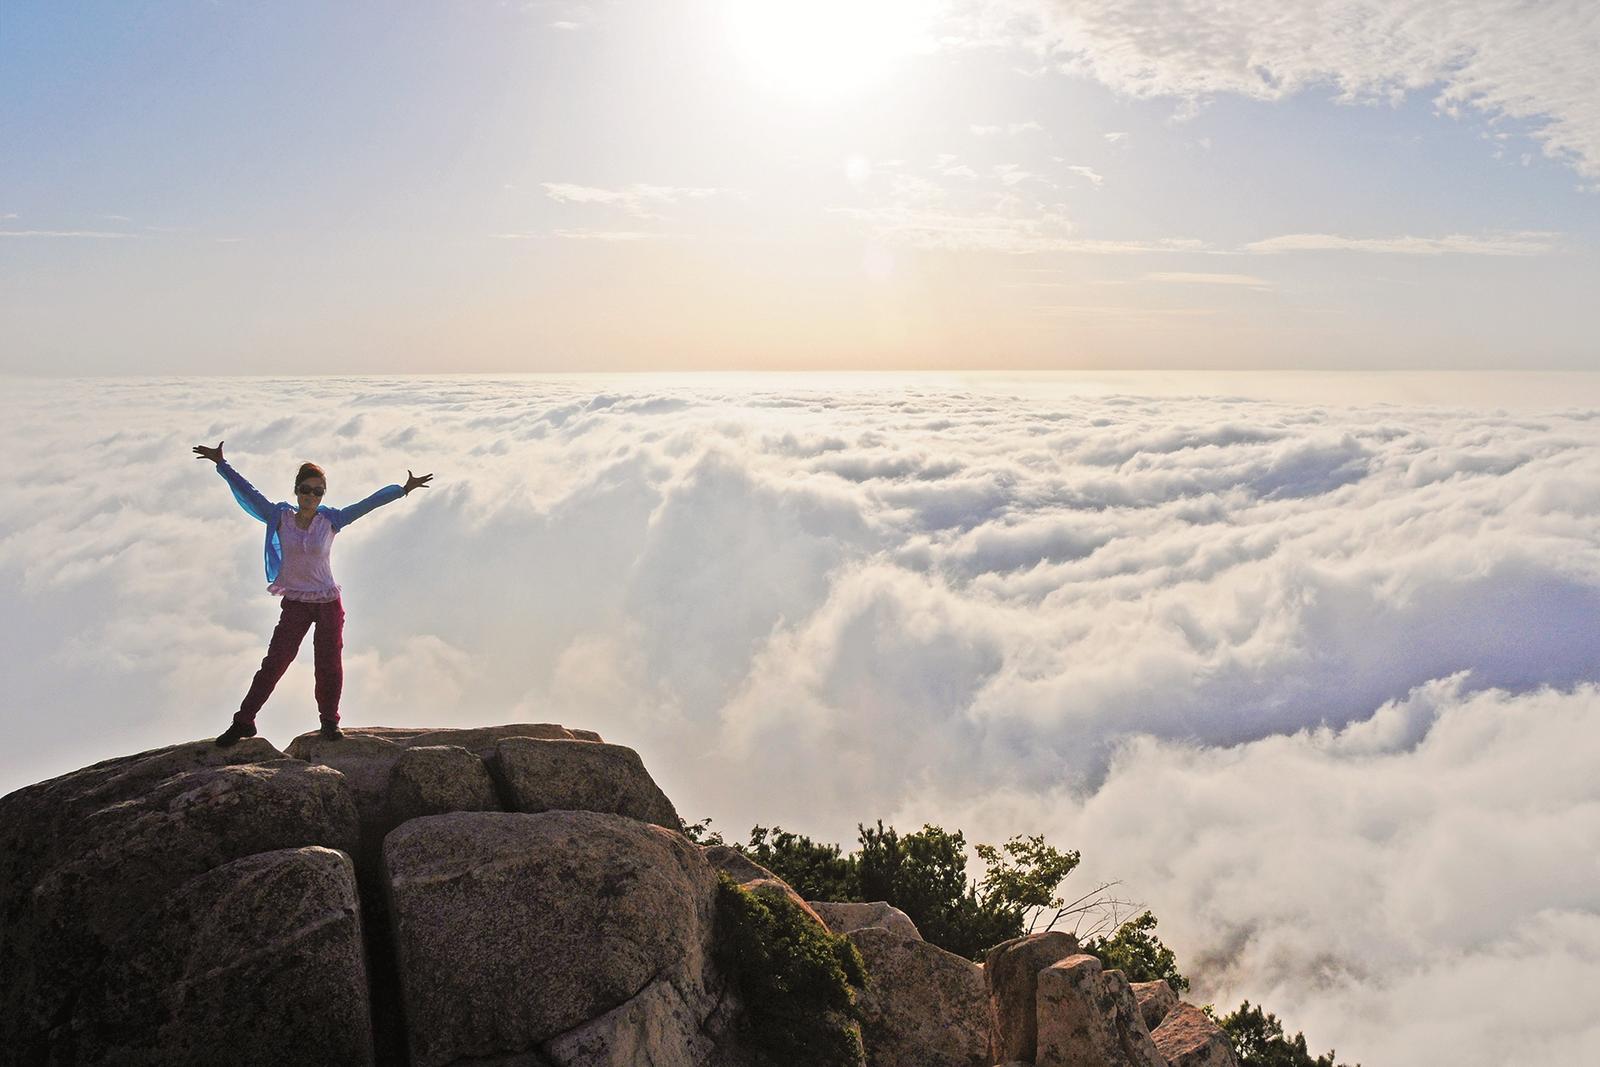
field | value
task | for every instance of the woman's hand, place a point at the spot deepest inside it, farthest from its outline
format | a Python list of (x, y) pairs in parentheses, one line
[(213, 454), (412, 481)]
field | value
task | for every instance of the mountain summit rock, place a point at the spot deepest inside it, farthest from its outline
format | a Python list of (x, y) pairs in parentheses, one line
[(516, 894)]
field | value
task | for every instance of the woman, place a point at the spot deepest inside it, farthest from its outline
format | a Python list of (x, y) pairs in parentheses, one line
[(299, 541)]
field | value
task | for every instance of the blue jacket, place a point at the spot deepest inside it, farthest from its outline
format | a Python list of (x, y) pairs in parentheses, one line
[(250, 498)]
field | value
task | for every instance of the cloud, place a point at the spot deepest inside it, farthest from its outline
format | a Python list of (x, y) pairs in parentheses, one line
[(993, 217), (638, 200), (1010, 129), (568, 16), (582, 235), (1515, 244), (1498, 59), (1009, 174), (1418, 887), (1316, 680), (606, 235), (1087, 172), (1006, 209), (996, 230), (1191, 278), (64, 233)]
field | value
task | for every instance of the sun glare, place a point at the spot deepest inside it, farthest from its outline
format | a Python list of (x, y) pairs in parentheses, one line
[(825, 49)]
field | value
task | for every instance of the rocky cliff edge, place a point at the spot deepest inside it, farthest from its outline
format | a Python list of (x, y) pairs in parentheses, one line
[(518, 895)]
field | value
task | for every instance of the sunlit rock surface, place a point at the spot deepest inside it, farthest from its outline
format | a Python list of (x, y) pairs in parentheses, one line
[(514, 894)]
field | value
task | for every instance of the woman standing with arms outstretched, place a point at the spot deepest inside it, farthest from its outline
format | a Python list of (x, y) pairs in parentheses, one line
[(298, 547)]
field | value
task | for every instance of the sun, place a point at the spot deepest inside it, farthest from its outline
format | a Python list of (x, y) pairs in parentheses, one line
[(826, 49)]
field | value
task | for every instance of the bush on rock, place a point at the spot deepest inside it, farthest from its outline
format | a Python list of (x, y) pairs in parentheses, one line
[(794, 978), (1138, 953)]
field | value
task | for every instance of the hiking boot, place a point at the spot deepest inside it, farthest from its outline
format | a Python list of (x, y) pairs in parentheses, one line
[(234, 732), (331, 732)]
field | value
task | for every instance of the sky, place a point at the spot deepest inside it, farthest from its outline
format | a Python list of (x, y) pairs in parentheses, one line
[(1307, 663), (299, 188)]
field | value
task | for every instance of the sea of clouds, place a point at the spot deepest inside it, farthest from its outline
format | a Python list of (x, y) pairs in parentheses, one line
[(1319, 682)]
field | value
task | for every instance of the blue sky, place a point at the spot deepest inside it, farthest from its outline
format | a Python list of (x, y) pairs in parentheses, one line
[(981, 184)]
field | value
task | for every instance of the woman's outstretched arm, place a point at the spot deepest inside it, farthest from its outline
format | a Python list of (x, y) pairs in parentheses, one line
[(343, 517), (248, 496)]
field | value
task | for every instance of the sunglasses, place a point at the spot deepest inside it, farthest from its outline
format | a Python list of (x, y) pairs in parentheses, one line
[(314, 490)]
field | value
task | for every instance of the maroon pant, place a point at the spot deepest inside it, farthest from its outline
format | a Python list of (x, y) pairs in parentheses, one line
[(297, 617)]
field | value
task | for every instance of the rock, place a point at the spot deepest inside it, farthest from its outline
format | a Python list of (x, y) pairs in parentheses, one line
[(125, 837), (1088, 1018), (192, 904), (656, 1027), (367, 756), (261, 957), (922, 1005), (565, 775), (435, 779), (1011, 971), (736, 864), (483, 739), (1188, 1038), (31, 818), (754, 877), (845, 917), (365, 759), (1155, 1000), (514, 929)]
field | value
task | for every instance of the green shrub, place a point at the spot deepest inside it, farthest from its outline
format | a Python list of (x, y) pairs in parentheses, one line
[(796, 980), (1138, 953), (1259, 1041), (924, 875), (815, 871)]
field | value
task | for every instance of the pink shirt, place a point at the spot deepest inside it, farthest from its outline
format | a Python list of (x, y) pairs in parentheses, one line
[(307, 572)]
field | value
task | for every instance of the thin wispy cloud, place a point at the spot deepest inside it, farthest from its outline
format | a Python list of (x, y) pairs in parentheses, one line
[(110, 234), (1492, 59), (567, 16), (1094, 177), (1010, 129), (1516, 244), (623, 236), (1248, 281), (607, 235), (1124, 314), (990, 230), (1009, 174), (639, 200)]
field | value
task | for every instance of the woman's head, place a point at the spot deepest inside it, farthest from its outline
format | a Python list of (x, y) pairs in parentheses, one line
[(310, 484)]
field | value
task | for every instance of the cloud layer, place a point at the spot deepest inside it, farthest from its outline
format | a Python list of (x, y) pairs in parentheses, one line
[(1502, 59), (1317, 682)]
